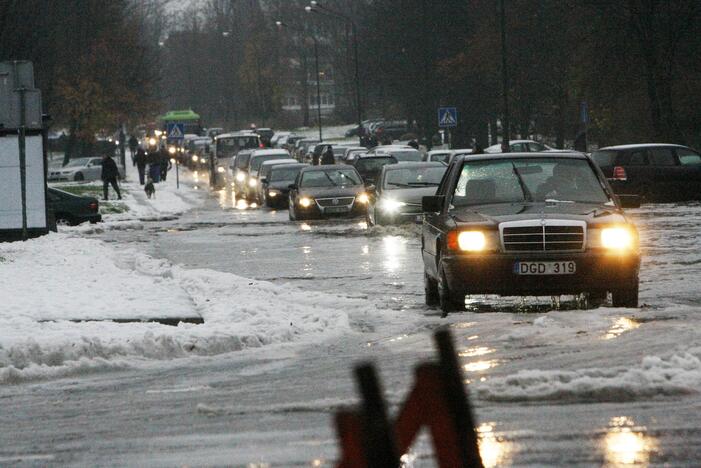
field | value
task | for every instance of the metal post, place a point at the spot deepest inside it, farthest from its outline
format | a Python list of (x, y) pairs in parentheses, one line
[(22, 142), (177, 172), (318, 86), (506, 131), (358, 101)]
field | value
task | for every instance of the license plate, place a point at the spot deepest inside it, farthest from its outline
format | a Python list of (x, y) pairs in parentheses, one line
[(336, 209), (545, 268)]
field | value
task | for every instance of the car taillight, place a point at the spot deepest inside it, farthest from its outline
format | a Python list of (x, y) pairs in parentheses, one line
[(93, 206), (619, 173), (452, 240), (261, 145)]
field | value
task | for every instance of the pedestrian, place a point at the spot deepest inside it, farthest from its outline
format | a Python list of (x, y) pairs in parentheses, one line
[(165, 162), (414, 144), (328, 157), (141, 159), (110, 173), (477, 149), (154, 164), (133, 145)]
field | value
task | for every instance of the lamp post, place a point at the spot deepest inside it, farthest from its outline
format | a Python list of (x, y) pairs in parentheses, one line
[(316, 7), (505, 144), (280, 24)]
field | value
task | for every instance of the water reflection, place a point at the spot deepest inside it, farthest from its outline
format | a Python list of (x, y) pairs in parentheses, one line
[(480, 366), (627, 444), (621, 326), (476, 351), (394, 247), (305, 227), (494, 450)]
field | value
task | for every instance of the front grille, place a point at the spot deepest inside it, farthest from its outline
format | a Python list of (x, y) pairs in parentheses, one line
[(543, 238), (340, 201)]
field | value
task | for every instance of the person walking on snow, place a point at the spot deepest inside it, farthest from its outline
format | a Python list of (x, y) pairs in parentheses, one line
[(141, 160), (133, 144), (110, 173)]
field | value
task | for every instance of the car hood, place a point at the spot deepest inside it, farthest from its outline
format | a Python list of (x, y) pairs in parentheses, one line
[(327, 192), (410, 195), (494, 214)]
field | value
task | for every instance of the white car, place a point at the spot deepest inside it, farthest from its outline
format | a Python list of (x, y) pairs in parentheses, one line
[(81, 169), (521, 146)]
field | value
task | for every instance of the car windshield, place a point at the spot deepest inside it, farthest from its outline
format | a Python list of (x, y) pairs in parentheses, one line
[(528, 180), (407, 177), (407, 156), (330, 178), (242, 160), (228, 147), (440, 157), (366, 165), (78, 162), (256, 161), (284, 173)]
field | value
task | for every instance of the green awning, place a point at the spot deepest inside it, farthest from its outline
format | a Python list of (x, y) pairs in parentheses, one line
[(180, 116)]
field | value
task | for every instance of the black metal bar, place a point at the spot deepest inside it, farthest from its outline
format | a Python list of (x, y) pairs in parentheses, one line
[(378, 439), (505, 125), (457, 399)]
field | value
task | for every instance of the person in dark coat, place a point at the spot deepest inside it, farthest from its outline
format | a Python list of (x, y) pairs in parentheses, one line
[(133, 145), (140, 160), (165, 163), (154, 164), (327, 157), (414, 144), (110, 173)]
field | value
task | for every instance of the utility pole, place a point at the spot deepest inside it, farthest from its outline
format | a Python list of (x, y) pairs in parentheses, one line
[(506, 131)]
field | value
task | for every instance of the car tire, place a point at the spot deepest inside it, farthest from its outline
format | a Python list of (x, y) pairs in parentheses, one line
[(625, 297), (447, 299), (79, 177), (596, 299), (431, 291)]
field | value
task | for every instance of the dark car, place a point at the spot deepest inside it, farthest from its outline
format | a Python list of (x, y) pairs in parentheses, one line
[(400, 189), (73, 209), (276, 186), (239, 170), (528, 224), (331, 190), (392, 130), (656, 172), (369, 166)]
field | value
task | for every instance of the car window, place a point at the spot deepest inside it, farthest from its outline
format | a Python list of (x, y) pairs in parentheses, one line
[(256, 161), (242, 160), (440, 157), (372, 164), (638, 158), (519, 148), (604, 158), (535, 147), (78, 162), (408, 177), (688, 157), (330, 178), (286, 173), (407, 156), (662, 157), (525, 180)]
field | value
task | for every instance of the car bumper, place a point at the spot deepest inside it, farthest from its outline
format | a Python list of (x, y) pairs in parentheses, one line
[(358, 209), (494, 273)]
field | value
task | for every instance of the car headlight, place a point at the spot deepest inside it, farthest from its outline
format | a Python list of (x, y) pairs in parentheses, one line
[(252, 182), (363, 198), (617, 238), (305, 202), (220, 170), (172, 150), (392, 206), (195, 158), (273, 193), (467, 241), (240, 176)]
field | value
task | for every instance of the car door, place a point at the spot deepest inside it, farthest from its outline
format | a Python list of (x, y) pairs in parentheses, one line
[(690, 162), (94, 171), (433, 226), (668, 176)]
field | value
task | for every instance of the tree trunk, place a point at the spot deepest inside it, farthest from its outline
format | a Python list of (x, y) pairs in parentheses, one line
[(70, 144)]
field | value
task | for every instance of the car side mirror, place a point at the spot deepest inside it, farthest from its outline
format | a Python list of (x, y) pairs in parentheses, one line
[(432, 204), (629, 201)]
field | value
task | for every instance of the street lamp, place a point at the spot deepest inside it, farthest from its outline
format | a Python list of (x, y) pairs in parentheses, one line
[(505, 144), (316, 7), (280, 25)]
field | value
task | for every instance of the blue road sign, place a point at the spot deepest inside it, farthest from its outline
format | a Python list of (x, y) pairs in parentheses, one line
[(175, 131), (447, 117)]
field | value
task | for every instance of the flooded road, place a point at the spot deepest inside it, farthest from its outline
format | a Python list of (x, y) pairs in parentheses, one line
[(564, 387)]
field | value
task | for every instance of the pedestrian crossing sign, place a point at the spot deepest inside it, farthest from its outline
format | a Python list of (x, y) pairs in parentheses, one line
[(447, 117), (175, 131)]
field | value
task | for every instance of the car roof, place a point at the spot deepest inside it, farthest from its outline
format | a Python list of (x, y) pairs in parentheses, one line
[(396, 167), (278, 161), (376, 155), (270, 152), (235, 134), (532, 155), (286, 165), (641, 145), (324, 167), (441, 151)]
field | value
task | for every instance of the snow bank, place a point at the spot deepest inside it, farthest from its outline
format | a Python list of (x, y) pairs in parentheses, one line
[(678, 374), (51, 282)]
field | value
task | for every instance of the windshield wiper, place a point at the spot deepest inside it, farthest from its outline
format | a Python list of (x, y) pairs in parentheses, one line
[(397, 184), (526, 193), (424, 183), (552, 200), (329, 177)]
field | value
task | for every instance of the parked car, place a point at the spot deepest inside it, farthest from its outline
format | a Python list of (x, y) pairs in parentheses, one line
[(391, 129), (400, 189), (263, 175), (401, 153), (442, 155), (258, 157), (539, 224), (521, 146), (370, 165), (276, 186), (72, 209), (330, 190), (352, 152), (656, 172), (239, 166), (81, 169), (277, 140)]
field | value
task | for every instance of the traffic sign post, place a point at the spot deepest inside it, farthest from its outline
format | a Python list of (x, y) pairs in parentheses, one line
[(448, 118), (175, 132)]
